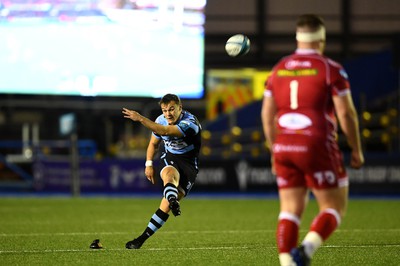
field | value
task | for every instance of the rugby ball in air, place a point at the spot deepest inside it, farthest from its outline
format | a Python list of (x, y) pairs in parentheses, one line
[(237, 45)]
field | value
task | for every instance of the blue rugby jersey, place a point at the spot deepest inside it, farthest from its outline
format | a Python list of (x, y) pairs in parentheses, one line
[(189, 144)]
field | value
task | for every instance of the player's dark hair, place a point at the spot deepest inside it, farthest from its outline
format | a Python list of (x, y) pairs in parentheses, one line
[(167, 98), (311, 21)]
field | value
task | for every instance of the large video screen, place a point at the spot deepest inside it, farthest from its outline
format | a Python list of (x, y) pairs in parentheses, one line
[(127, 48)]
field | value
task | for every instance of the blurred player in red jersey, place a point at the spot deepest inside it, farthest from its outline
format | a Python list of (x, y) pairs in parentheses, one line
[(301, 97)]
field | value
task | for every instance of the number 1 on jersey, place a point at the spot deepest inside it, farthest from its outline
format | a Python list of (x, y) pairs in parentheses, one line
[(294, 89)]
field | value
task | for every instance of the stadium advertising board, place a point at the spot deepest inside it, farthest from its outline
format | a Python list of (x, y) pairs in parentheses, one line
[(380, 177), (95, 176), (238, 176)]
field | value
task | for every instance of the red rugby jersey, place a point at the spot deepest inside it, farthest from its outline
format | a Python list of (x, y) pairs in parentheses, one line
[(302, 85)]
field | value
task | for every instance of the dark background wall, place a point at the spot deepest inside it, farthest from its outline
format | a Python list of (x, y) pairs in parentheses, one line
[(362, 34), (354, 27)]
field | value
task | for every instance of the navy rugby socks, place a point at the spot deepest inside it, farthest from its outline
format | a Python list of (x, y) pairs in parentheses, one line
[(170, 191), (156, 221)]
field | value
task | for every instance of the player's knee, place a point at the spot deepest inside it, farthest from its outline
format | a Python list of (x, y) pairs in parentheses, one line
[(170, 175)]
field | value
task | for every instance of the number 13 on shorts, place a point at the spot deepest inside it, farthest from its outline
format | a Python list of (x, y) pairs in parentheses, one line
[(325, 176)]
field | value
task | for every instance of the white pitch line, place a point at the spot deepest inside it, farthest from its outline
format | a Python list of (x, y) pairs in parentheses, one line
[(128, 233), (363, 246), (66, 234), (44, 251), (183, 249), (188, 232), (116, 249)]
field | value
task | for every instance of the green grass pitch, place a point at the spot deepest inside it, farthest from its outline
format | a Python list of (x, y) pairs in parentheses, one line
[(219, 231)]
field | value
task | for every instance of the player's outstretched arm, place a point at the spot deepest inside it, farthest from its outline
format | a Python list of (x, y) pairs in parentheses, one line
[(169, 130)]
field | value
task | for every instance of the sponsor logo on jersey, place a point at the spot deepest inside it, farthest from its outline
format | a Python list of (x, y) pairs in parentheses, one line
[(291, 64), (294, 121), (184, 125), (289, 148), (297, 72)]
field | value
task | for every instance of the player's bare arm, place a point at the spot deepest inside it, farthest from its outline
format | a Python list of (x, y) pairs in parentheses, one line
[(180, 134), (348, 121), (152, 149), (268, 112), (169, 130)]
